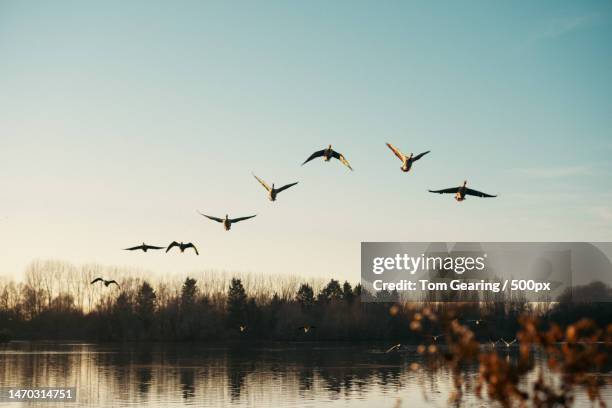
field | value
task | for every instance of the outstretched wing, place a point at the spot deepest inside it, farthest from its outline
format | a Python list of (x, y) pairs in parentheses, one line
[(172, 245), (154, 247), (283, 188), (445, 191), (263, 183), (418, 156), (96, 280), (476, 193), (190, 245), (340, 157), (134, 248), (211, 218), (242, 218), (314, 156), (111, 282), (397, 152)]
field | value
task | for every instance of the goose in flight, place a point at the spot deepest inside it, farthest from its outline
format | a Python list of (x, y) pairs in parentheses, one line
[(407, 161), (307, 328), (461, 192), (106, 282), (227, 221), (327, 155), (144, 247), (477, 322), (397, 347), (508, 344), (273, 191), (182, 246)]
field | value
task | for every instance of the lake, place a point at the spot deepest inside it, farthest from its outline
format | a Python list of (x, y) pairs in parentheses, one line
[(234, 375)]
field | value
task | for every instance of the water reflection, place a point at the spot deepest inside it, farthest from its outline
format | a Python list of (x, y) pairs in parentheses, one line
[(171, 375)]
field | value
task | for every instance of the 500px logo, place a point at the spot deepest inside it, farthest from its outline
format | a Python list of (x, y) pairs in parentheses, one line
[(412, 264)]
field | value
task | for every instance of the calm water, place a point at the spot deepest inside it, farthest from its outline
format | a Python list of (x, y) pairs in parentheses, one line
[(231, 376)]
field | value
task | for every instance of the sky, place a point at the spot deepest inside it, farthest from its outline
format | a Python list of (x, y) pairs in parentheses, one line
[(118, 120)]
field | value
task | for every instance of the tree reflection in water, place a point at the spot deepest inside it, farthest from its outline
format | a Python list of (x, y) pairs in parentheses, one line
[(160, 375)]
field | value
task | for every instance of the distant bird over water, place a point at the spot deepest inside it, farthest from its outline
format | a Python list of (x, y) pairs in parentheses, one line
[(397, 347), (144, 247), (106, 282), (272, 191), (407, 161), (307, 328), (461, 192), (227, 221), (327, 155), (508, 343), (182, 246)]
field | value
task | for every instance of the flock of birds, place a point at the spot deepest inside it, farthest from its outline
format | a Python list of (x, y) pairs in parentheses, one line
[(327, 154), (399, 347)]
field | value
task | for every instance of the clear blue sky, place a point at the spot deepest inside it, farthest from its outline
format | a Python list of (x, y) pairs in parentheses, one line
[(119, 119)]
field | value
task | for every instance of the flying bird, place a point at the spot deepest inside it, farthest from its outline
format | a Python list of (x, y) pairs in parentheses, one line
[(144, 247), (508, 344), (477, 322), (273, 191), (307, 328), (397, 347), (327, 155), (461, 192), (182, 246), (106, 282), (407, 161), (227, 222)]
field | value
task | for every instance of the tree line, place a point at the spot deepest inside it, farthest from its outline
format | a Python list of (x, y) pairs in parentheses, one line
[(49, 306)]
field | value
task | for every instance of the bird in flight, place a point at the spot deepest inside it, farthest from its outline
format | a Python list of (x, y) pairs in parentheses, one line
[(508, 344), (397, 347), (227, 221), (273, 191), (327, 155), (106, 282), (407, 161), (182, 246), (477, 322), (144, 247), (461, 192), (307, 328)]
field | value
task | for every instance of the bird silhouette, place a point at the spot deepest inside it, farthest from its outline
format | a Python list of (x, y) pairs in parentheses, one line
[(307, 328), (106, 282), (397, 347), (461, 192), (144, 247), (477, 322), (407, 161), (327, 155), (182, 246), (227, 222), (508, 344), (272, 191)]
